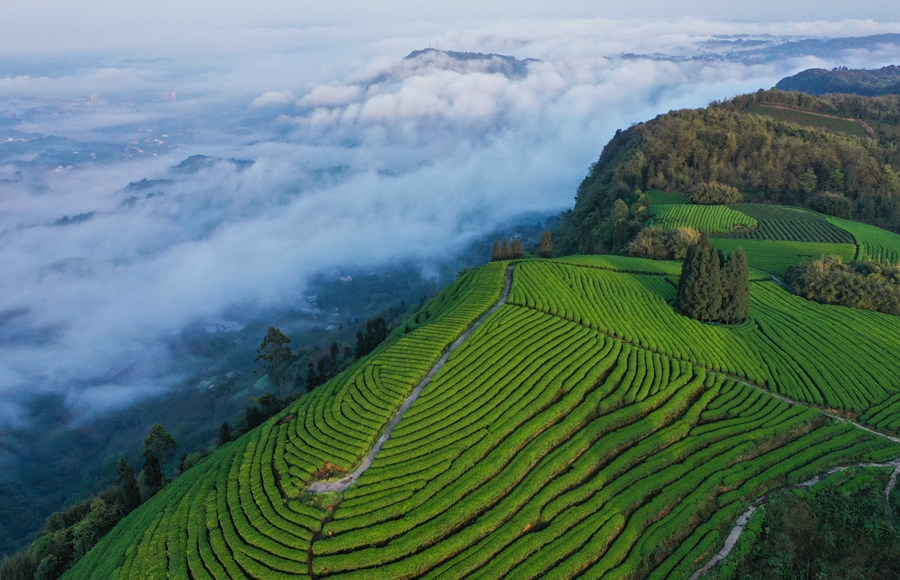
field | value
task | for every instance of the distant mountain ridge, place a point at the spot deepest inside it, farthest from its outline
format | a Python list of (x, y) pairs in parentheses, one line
[(870, 83), (508, 66)]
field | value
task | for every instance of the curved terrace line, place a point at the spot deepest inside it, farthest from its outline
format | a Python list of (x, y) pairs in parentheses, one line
[(345, 482)]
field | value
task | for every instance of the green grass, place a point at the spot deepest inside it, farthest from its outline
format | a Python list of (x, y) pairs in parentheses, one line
[(847, 127), (585, 429), (776, 256), (714, 219)]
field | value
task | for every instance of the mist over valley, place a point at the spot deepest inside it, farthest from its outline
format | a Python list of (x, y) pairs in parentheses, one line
[(159, 211)]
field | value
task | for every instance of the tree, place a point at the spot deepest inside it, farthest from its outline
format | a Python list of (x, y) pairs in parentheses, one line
[(515, 249), (713, 192), (312, 380), (130, 489), (711, 289), (154, 478), (495, 252), (736, 289), (160, 443), (700, 288), (273, 352), (546, 250), (224, 433)]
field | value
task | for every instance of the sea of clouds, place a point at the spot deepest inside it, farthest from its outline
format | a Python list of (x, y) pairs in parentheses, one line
[(360, 158)]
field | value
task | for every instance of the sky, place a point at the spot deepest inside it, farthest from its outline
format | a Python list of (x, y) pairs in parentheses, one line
[(360, 157)]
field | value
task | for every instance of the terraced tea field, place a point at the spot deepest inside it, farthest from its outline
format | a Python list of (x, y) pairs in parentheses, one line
[(715, 219), (583, 429), (790, 224), (873, 243)]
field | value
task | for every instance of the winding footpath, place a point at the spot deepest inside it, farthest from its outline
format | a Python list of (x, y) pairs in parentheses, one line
[(741, 522), (345, 482)]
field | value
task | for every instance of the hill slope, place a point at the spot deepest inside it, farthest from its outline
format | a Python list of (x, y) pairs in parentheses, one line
[(817, 81), (583, 428), (775, 147)]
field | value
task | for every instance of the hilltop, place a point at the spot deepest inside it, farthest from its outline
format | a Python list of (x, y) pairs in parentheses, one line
[(817, 81), (835, 154)]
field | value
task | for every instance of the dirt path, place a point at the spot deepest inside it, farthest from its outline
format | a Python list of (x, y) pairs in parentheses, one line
[(344, 483), (741, 522)]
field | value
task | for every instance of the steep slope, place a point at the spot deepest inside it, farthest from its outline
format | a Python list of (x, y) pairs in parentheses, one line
[(757, 144), (583, 428)]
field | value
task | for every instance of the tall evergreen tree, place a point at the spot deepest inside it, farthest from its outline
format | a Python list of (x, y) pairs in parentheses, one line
[(515, 249), (495, 252), (700, 288), (546, 250), (154, 479), (736, 288), (132, 494)]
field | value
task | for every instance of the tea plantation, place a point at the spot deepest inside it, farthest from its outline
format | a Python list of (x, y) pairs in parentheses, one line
[(584, 428)]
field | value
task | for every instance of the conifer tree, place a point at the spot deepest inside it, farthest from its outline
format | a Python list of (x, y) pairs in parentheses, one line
[(495, 252), (515, 249), (504, 249), (546, 250), (700, 287), (126, 478), (736, 288)]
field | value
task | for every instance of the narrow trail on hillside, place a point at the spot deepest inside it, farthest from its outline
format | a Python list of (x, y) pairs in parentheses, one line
[(345, 482), (742, 521)]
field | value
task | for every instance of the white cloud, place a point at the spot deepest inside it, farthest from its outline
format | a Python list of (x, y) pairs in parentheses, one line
[(430, 154)]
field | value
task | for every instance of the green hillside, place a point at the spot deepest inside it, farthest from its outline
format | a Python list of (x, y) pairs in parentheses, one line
[(583, 429), (775, 147)]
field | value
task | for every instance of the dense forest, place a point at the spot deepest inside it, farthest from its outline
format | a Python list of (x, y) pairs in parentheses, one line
[(819, 81), (740, 143)]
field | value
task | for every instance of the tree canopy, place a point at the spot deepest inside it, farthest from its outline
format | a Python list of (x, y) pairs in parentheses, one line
[(273, 352), (712, 289), (766, 159)]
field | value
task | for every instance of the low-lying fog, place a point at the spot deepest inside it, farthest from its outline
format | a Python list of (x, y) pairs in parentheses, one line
[(211, 178)]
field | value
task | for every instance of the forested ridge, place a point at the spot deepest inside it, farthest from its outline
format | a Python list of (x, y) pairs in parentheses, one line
[(818, 81), (741, 143)]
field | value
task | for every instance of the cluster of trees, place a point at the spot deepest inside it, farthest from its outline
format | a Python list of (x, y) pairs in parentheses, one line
[(326, 367), (659, 244), (825, 533), (713, 193), (818, 81), (766, 159), (867, 285), (68, 534), (506, 250), (376, 331), (712, 289)]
